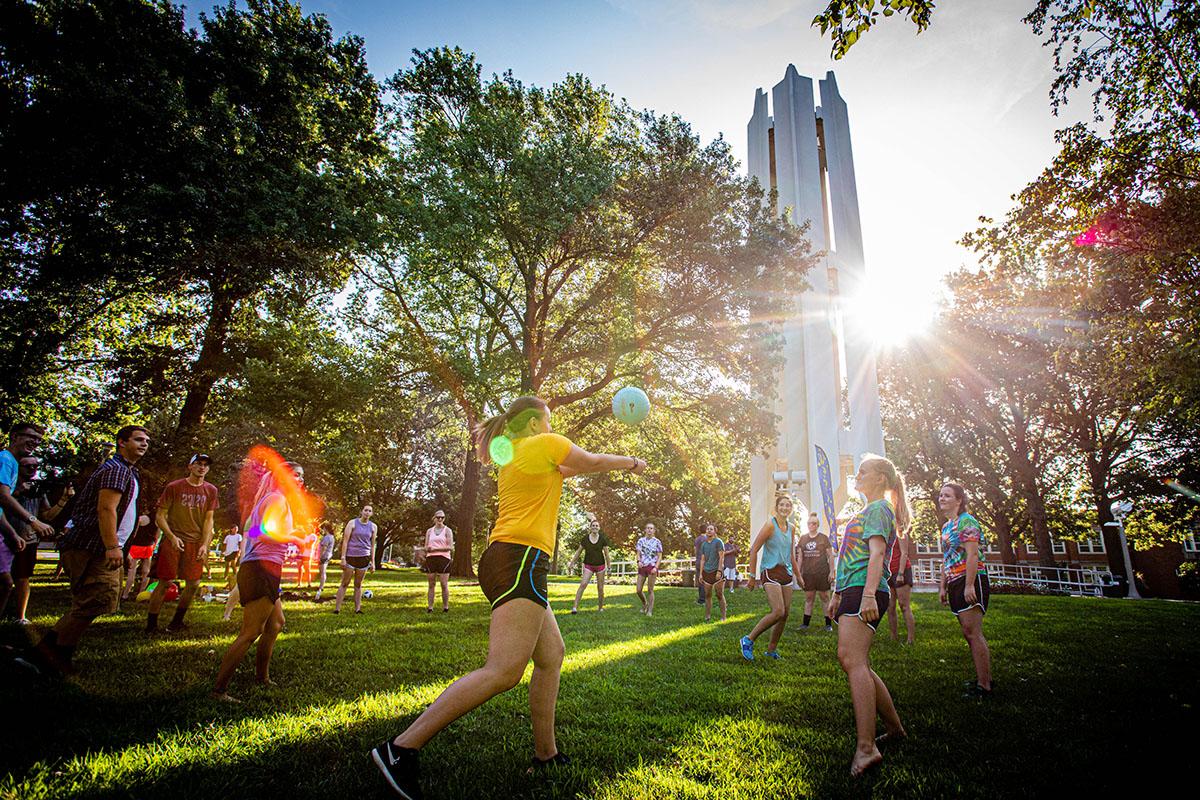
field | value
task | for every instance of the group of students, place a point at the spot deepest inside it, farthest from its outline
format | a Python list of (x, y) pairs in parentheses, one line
[(513, 577)]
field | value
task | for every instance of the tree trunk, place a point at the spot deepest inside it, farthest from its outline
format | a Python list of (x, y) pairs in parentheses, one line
[(206, 369), (464, 528), (1004, 539), (1036, 507), (1103, 500)]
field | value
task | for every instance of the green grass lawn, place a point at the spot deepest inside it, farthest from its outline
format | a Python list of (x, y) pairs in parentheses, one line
[(1088, 692)]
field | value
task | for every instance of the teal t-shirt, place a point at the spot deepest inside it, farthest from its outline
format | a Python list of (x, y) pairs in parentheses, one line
[(877, 519), (8, 472), (712, 552)]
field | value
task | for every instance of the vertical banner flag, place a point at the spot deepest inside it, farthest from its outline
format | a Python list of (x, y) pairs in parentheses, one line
[(825, 477)]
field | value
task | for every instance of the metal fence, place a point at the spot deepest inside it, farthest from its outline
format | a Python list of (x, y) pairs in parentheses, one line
[(1085, 581), (671, 569)]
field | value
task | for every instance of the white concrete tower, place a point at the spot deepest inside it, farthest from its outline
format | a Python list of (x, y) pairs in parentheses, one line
[(827, 393)]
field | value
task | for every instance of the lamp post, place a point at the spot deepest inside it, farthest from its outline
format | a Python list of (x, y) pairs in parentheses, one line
[(1120, 509)]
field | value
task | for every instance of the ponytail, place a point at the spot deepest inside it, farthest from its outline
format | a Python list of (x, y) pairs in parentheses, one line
[(895, 486), (506, 423)]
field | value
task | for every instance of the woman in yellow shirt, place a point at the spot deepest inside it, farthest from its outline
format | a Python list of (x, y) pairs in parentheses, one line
[(512, 574)]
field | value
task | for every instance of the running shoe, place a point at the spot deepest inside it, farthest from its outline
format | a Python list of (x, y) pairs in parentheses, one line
[(401, 768), (747, 648), (976, 692), (774, 654)]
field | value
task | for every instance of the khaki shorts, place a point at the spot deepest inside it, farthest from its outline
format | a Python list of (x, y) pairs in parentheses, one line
[(94, 585)]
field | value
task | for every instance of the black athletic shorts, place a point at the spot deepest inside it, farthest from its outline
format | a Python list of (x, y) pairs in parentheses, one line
[(508, 571), (816, 581), (955, 590), (777, 574), (437, 565), (851, 602), (24, 562), (906, 577), (713, 577), (358, 562), (258, 579)]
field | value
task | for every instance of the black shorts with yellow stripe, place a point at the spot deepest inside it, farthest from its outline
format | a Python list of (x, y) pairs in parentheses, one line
[(508, 571)]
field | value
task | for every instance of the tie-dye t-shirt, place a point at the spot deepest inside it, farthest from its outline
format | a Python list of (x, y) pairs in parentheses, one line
[(649, 550), (877, 519), (955, 534)]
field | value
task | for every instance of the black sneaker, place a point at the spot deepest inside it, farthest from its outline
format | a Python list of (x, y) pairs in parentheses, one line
[(401, 767), (976, 692)]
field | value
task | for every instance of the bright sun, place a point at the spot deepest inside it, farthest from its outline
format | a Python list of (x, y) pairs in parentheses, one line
[(893, 311)]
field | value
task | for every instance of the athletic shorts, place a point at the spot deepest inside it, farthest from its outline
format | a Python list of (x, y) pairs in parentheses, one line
[(141, 551), (648, 570), (731, 573), (905, 578), (777, 574), (508, 571), (230, 558), (711, 577), (983, 591), (174, 563), (437, 565), (851, 602), (358, 562), (258, 579), (816, 581), (24, 562), (594, 567)]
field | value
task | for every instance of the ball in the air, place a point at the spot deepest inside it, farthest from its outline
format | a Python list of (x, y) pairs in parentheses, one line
[(631, 405)]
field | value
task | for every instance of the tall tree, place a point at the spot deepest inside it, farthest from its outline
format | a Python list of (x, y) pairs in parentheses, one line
[(555, 241)]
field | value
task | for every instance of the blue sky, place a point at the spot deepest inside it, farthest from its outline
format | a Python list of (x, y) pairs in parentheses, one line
[(946, 125)]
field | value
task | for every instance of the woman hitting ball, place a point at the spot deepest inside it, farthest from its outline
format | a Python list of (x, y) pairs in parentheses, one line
[(512, 573)]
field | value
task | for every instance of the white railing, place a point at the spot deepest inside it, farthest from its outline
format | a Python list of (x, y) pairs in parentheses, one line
[(1088, 581), (622, 571)]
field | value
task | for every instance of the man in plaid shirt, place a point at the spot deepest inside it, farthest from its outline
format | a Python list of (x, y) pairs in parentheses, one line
[(90, 550)]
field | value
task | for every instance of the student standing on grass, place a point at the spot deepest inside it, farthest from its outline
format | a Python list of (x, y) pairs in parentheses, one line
[(512, 574), (775, 573), (900, 579), (861, 596), (358, 556), (965, 581), (141, 546), (325, 553), (439, 545), (711, 579), (816, 569), (185, 517), (593, 546), (649, 553), (269, 530), (36, 504), (23, 439), (697, 567), (731, 573), (90, 552), (231, 546)]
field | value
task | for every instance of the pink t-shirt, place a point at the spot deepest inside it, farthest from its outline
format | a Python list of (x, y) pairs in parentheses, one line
[(437, 544)]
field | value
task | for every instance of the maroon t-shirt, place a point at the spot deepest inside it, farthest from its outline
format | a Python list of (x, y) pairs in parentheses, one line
[(187, 506)]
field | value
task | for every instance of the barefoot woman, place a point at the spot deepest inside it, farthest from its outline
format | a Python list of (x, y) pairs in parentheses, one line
[(512, 574), (861, 596)]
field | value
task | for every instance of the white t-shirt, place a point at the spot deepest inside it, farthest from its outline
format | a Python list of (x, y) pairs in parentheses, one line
[(129, 521), (232, 542)]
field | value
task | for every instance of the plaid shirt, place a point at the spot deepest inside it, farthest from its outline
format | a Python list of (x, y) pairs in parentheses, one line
[(84, 532)]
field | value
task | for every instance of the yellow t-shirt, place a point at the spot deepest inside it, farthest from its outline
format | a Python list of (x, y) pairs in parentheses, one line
[(530, 487)]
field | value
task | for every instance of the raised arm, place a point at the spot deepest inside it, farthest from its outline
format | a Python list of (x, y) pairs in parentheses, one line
[(581, 462)]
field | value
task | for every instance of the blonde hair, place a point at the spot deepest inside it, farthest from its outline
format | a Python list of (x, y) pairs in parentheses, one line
[(513, 419), (894, 480)]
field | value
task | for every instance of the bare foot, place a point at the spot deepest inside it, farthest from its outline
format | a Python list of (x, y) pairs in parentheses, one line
[(224, 698), (864, 761), (266, 682), (890, 737)]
